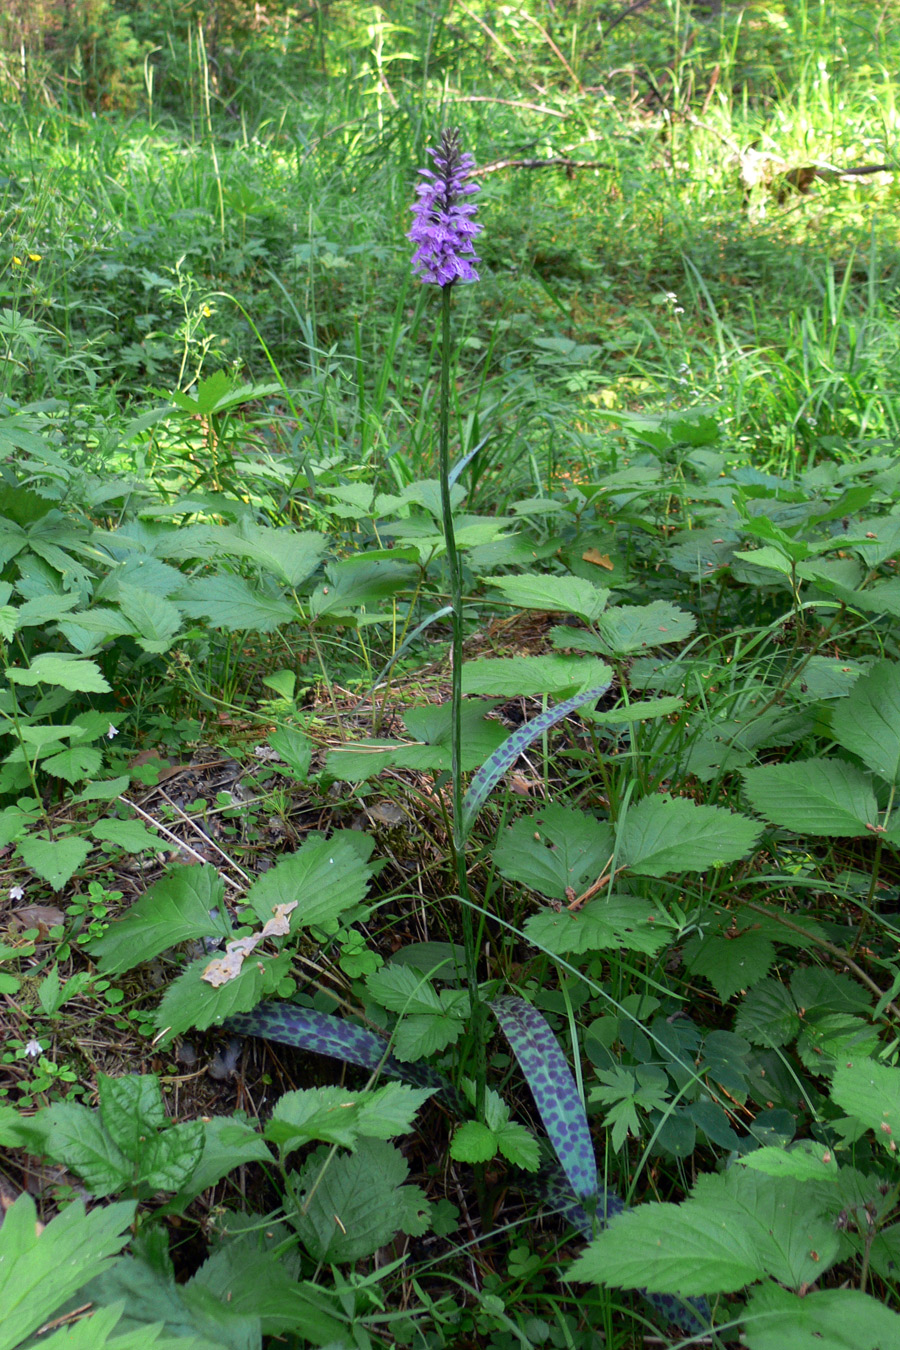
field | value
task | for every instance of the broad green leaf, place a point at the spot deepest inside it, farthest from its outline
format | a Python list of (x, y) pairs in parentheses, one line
[(431, 725), (555, 1095), (292, 555), (41, 1270), (617, 921), (871, 1092), (55, 861), (130, 1107), (824, 1319), (814, 796), (103, 791), (9, 621), (156, 620), (177, 908), (129, 835), (231, 603), (867, 721), (314, 1115), (64, 672), (390, 1110), (81, 761), (346, 1207), (227, 1143), (673, 834), (359, 582), (519, 1146), (635, 628), (473, 1142), (358, 760), (730, 961), (804, 1161), (191, 1001), (527, 676), (74, 1135), (558, 594), (402, 989), (324, 877), (295, 750), (555, 850), (768, 1015)]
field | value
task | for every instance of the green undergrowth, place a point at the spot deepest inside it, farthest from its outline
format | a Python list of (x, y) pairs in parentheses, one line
[(239, 1030)]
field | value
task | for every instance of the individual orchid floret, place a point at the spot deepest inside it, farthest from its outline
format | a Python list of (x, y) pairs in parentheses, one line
[(443, 228)]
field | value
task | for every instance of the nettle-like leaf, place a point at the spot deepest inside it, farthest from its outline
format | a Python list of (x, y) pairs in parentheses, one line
[(192, 1001), (526, 676), (665, 834), (41, 1269), (345, 1207), (493, 769), (731, 960), (555, 850), (867, 721), (553, 1088), (184, 905), (735, 1229), (63, 672), (231, 603), (815, 796), (825, 1319), (334, 1115)]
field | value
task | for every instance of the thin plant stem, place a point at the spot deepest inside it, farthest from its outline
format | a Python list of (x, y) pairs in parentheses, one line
[(456, 649)]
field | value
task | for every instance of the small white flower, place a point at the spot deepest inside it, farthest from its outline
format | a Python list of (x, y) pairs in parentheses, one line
[(33, 1049), (17, 892), (112, 733)]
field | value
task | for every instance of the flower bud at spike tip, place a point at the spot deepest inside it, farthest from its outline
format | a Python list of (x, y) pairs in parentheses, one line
[(444, 228)]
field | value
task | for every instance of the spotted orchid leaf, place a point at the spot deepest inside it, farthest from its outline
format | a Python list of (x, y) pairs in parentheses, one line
[(553, 1088), (503, 758)]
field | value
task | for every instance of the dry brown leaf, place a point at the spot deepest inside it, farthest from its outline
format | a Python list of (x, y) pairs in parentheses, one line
[(42, 917), (228, 967), (593, 555)]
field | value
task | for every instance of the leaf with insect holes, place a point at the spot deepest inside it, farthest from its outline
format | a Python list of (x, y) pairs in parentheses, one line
[(183, 906), (665, 834), (41, 1269), (555, 850), (615, 920), (867, 721), (493, 769), (553, 1088), (358, 1202), (55, 861), (558, 594), (814, 796)]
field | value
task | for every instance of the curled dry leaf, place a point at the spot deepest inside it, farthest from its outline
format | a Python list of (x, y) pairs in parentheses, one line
[(228, 967)]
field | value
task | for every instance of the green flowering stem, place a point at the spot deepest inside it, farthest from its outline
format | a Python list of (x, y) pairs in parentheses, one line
[(470, 941)]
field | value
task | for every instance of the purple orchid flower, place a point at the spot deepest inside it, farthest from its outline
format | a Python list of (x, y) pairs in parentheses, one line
[(444, 228)]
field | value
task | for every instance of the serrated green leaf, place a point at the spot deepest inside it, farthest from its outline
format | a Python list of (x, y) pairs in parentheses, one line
[(156, 620), (325, 877), (75, 1136), (805, 1161), (637, 628), (826, 1319), (191, 1001), (130, 1107), (63, 672), (231, 603), (527, 676), (81, 761), (227, 1143), (867, 721), (295, 750), (359, 1202), (9, 621), (361, 581), (730, 963), (673, 834), (55, 861), (554, 850), (814, 796), (473, 1142), (619, 921), (129, 835), (558, 594), (519, 1146), (175, 909), (41, 1270), (768, 1015)]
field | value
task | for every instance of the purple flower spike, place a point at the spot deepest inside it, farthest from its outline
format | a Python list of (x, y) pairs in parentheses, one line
[(444, 228)]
